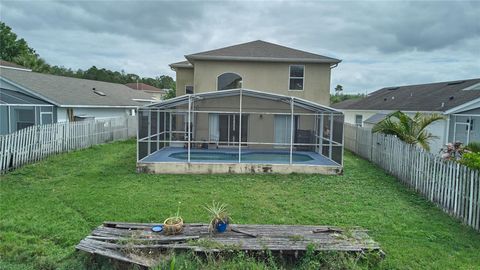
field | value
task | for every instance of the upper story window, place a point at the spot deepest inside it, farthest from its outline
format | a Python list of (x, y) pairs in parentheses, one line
[(188, 89), (229, 81), (297, 75)]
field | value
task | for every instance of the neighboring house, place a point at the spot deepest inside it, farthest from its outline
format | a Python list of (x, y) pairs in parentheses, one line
[(11, 65), (154, 92), (253, 107), (30, 98), (458, 101), (257, 65)]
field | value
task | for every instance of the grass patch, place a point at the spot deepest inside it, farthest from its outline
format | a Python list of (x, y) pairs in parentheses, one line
[(47, 208)]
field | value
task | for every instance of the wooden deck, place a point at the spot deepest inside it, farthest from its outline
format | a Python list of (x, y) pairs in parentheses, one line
[(136, 243)]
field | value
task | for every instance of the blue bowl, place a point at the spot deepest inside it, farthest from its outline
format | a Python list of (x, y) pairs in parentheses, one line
[(221, 227), (157, 228)]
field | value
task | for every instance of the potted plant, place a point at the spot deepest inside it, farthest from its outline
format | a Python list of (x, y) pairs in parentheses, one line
[(174, 224), (220, 217)]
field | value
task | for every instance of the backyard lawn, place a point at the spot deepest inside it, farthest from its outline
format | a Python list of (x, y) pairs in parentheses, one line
[(47, 208)]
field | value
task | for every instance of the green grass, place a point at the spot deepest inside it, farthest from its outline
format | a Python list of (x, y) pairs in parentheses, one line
[(47, 208)]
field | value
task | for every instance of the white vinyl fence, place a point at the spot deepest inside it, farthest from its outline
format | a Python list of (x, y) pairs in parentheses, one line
[(34, 143), (453, 187)]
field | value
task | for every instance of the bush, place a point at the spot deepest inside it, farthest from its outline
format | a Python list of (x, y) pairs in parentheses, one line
[(474, 147), (471, 160)]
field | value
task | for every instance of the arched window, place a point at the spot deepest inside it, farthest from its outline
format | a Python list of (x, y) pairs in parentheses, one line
[(229, 81)]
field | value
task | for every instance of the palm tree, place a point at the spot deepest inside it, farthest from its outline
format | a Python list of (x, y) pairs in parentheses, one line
[(411, 130), (32, 61)]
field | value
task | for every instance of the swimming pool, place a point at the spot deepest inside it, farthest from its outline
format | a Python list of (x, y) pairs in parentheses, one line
[(252, 156), (173, 160)]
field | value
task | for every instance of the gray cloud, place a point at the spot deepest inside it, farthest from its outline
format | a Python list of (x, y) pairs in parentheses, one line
[(381, 43)]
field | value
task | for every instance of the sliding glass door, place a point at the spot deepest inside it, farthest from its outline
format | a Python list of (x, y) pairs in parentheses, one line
[(282, 129), (225, 128)]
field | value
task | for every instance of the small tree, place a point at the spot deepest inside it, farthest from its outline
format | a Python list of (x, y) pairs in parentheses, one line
[(411, 130), (338, 89), (170, 94)]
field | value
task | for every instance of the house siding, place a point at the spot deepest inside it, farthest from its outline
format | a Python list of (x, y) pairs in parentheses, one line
[(261, 76), (184, 77)]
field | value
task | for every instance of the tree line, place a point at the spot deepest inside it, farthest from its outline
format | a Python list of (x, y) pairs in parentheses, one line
[(340, 96), (16, 50)]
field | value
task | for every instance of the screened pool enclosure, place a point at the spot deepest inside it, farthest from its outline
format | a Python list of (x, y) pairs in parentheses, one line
[(239, 131), (18, 111)]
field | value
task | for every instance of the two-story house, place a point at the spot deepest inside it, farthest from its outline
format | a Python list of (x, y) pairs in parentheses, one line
[(254, 103), (258, 65)]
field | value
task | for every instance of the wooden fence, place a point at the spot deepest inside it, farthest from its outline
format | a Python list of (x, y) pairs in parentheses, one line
[(453, 187), (34, 143)]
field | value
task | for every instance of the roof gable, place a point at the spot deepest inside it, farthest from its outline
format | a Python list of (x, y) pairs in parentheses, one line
[(261, 51)]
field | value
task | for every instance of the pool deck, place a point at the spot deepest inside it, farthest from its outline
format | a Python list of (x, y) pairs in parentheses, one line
[(163, 156)]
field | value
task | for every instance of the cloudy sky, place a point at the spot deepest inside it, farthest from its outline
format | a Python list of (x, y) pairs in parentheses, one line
[(381, 43)]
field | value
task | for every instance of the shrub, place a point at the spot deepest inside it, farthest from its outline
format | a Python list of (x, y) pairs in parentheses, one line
[(471, 160), (474, 147)]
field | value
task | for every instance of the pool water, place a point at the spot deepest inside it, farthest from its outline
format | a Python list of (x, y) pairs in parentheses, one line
[(255, 156)]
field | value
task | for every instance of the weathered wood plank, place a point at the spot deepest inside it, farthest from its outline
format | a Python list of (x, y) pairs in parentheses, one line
[(118, 239)]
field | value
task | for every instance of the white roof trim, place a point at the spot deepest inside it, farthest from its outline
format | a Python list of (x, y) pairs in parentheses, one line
[(472, 87), (28, 90), (16, 68), (99, 106), (465, 106), (380, 111), (255, 93)]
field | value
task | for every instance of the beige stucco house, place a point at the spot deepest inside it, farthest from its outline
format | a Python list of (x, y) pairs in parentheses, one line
[(258, 65), (252, 107)]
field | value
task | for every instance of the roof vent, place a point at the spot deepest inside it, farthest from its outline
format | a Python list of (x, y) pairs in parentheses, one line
[(393, 88), (443, 104), (451, 98), (384, 99), (100, 93), (455, 83)]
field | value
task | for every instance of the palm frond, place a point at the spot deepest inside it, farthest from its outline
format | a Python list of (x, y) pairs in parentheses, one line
[(408, 129)]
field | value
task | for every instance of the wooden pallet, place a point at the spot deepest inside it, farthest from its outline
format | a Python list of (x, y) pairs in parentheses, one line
[(136, 243)]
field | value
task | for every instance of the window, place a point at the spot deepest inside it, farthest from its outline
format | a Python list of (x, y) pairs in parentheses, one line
[(188, 89), (297, 73), (358, 120), (229, 81), (24, 117), (469, 124), (46, 115)]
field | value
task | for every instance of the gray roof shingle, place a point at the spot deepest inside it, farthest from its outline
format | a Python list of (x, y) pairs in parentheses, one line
[(261, 51), (182, 64), (439, 97), (73, 91)]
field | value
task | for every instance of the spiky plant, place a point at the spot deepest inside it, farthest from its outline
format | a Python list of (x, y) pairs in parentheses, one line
[(411, 130), (218, 212)]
